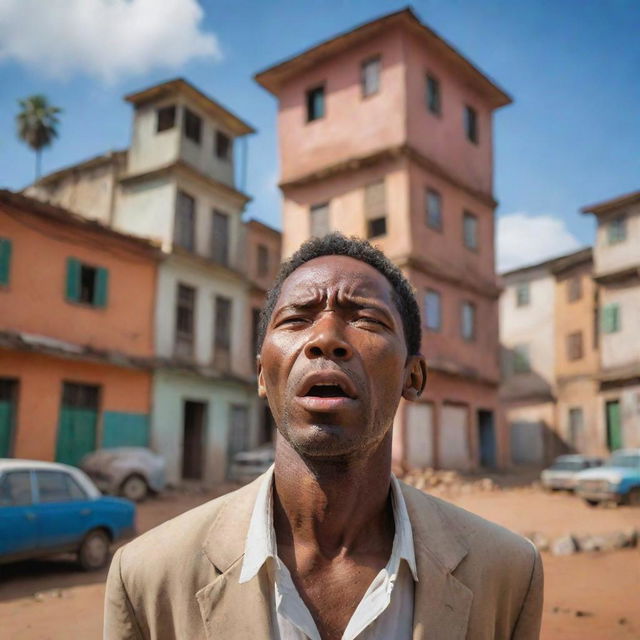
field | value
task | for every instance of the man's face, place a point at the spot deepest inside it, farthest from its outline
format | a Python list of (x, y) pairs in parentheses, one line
[(334, 359)]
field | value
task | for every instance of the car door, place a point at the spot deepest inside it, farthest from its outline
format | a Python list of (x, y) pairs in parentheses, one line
[(64, 510), (18, 517)]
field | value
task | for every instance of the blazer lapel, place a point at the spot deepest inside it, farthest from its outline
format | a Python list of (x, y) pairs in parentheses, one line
[(229, 609), (441, 602)]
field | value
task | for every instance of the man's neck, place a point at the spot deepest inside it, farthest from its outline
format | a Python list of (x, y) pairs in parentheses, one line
[(334, 506)]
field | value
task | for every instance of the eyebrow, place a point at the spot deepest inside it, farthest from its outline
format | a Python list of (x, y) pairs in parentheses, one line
[(358, 302)]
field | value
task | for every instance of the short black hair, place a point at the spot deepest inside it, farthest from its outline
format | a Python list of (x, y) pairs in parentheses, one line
[(336, 244)]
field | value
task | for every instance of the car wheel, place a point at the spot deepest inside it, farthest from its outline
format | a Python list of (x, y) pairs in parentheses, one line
[(134, 487), (633, 497), (591, 503), (94, 550)]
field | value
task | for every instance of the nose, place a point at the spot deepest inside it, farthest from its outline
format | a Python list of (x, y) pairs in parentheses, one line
[(327, 340)]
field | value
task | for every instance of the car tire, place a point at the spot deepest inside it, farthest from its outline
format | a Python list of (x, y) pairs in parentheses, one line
[(94, 550), (633, 497), (591, 503), (134, 488)]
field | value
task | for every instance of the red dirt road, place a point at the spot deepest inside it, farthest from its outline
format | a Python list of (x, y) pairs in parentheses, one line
[(587, 596)]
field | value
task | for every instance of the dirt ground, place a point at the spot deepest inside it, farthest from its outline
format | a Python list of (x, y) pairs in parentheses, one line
[(587, 596)]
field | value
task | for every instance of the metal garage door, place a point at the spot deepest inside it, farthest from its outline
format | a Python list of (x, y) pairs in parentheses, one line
[(454, 438), (419, 435), (527, 442)]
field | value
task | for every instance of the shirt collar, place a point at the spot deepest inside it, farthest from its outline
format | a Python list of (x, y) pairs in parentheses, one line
[(261, 539)]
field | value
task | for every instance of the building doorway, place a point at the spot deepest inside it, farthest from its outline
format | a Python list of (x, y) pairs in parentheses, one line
[(614, 425), (193, 440), (78, 422), (419, 434), (487, 439), (8, 403)]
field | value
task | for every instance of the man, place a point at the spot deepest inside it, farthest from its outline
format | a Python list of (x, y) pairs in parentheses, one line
[(328, 544)]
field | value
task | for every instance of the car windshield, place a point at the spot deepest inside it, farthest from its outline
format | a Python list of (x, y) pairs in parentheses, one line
[(568, 465), (624, 460)]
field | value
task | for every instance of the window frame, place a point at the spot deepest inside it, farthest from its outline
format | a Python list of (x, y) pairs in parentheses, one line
[(467, 304), (471, 128), (574, 346), (523, 301), (314, 209), (184, 341), (160, 111), (431, 81), (192, 120), (617, 229), (262, 260), (308, 95), (438, 297), (222, 137), (470, 216), (611, 320), (219, 248), (177, 241), (74, 284), (429, 191), (574, 289), (6, 249), (377, 60)]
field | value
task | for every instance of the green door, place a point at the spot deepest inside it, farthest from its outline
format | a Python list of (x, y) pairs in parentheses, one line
[(614, 427), (8, 393), (78, 420)]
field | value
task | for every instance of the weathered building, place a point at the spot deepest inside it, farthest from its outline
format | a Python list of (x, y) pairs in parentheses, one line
[(77, 302), (176, 185), (386, 132), (617, 273)]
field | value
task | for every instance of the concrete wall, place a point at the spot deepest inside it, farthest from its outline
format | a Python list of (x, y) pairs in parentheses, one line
[(582, 393), (442, 137), (170, 391), (622, 347), (531, 434), (613, 257), (35, 300), (40, 394), (308, 146), (209, 281)]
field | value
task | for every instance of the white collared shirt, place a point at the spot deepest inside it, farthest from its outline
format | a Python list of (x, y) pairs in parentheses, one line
[(386, 609)]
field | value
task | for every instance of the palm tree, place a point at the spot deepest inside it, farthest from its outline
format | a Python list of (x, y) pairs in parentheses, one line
[(37, 124)]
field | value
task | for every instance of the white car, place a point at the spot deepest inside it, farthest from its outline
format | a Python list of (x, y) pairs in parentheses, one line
[(248, 465), (562, 474), (132, 472)]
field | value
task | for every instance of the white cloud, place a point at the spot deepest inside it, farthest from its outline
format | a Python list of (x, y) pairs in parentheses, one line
[(104, 38), (524, 239)]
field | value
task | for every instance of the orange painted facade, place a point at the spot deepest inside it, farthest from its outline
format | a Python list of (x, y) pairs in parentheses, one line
[(393, 137), (47, 340)]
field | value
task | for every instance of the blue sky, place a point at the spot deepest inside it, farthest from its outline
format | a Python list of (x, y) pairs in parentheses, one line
[(572, 136)]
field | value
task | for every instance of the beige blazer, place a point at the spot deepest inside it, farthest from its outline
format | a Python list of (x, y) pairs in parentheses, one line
[(180, 580)]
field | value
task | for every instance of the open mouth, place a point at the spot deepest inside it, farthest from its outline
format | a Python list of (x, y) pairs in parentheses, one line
[(326, 391)]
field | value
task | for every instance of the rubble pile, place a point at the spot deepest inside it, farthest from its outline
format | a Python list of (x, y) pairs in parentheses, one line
[(576, 543), (445, 482)]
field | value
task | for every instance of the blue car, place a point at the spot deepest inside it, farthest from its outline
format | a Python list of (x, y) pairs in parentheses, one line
[(48, 508), (617, 481)]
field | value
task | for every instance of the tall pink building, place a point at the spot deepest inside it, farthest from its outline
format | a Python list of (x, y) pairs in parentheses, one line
[(385, 132)]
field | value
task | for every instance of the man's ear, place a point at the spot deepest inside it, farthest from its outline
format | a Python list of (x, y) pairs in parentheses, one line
[(262, 390), (415, 378)]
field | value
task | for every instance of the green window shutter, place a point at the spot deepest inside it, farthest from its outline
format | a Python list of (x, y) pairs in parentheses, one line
[(5, 260), (102, 287), (73, 280), (611, 318)]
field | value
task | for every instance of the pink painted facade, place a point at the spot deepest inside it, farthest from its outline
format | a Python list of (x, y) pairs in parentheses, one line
[(392, 137)]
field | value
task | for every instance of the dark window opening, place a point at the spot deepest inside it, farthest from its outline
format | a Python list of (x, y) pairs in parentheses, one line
[(377, 227), (222, 337), (185, 222), (263, 260), (220, 237), (88, 277), (370, 77), (319, 220), (192, 126), (166, 118), (471, 124), (574, 345), (185, 315), (315, 104), (223, 146), (433, 95), (470, 230), (433, 202), (574, 289)]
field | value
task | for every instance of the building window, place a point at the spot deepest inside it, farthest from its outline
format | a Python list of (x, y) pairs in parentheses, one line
[(86, 284), (375, 209), (468, 321), (315, 104), (434, 103), (432, 310), (574, 345), (185, 222), (471, 124), (223, 146), (576, 427), (611, 318), (370, 77), (165, 118), (8, 413), (185, 320), (192, 126), (617, 230), (262, 262), (255, 328), (574, 289), (5, 261), (470, 230), (522, 294), (319, 220), (521, 362), (220, 237), (222, 337), (433, 204), (239, 433)]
